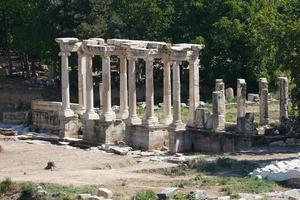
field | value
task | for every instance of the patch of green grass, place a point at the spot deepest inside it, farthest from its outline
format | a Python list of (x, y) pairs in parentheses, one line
[(6, 185), (206, 180), (146, 195), (29, 191), (66, 191)]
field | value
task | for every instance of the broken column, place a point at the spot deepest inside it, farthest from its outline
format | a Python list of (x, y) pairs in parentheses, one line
[(218, 106), (241, 104), (220, 86), (263, 101), (284, 98)]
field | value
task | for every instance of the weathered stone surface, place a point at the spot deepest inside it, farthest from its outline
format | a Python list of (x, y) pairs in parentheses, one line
[(249, 124), (198, 194), (284, 98), (241, 105), (15, 117), (8, 132), (218, 111), (104, 192), (253, 97), (229, 93), (263, 101), (279, 171), (201, 117), (167, 193)]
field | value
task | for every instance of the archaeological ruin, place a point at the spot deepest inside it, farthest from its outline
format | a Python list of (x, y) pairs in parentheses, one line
[(204, 131)]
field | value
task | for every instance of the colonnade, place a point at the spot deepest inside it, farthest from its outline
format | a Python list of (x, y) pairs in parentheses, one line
[(129, 51)]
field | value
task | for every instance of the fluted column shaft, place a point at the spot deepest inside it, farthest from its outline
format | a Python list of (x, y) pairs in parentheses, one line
[(123, 88), (82, 82), (65, 86), (108, 114), (90, 112), (132, 118), (194, 96), (176, 95), (168, 118), (150, 118)]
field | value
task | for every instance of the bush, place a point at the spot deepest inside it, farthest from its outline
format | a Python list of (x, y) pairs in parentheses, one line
[(6, 185), (146, 195), (28, 191)]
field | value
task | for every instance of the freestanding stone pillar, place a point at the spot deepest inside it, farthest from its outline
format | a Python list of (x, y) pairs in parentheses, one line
[(194, 97), (81, 82), (263, 101), (150, 119), (241, 104), (220, 86), (90, 113), (65, 87), (123, 87), (218, 116), (177, 123), (107, 113), (132, 118), (168, 118), (284, 98)]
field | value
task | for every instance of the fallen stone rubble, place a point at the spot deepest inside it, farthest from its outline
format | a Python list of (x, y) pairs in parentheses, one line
[(8, 132), (279, 171)]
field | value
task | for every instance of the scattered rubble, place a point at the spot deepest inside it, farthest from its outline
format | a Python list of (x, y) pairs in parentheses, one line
[(167, 193), (8, 132), (279, 171), (104, 192)]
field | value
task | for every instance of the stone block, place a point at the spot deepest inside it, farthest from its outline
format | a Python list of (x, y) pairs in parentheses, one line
[(229, 93), (104, 192), (15, 117), (167, 193), (69, 127), (253, 97), (147, 138), (201, 117)]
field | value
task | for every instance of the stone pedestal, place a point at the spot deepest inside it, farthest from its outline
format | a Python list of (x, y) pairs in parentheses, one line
[(69, 127), (284, 98), (147, 138), (100, 132), (263, 102), (218, 116), (201, 117)]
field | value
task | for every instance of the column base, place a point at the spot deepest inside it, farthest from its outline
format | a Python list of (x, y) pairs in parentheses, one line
[(108, 116), (123, 115), (90, 115), (150, 122), (177, 125), (133, 121), (168, 120), (81, 111), (66, 113), (68, 127)]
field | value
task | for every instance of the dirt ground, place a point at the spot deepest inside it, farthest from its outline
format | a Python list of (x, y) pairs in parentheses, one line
[(22, 161)]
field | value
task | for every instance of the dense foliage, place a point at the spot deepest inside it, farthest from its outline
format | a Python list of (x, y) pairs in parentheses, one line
[(243, 38)]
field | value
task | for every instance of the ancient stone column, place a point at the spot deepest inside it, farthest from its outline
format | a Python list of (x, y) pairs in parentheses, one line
[(177, 123), (241, 104), (218, 117), (81, 82), (123, 88), (284, 98), (65, 87), (263, 101), (150, 119), (220, 86), (107, 113), (168, 118), (90, 112), (194, 96), (101, 94), (132, 118)]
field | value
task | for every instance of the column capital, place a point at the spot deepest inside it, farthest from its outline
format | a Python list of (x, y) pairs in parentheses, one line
[(131, 58), (64, 53)]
